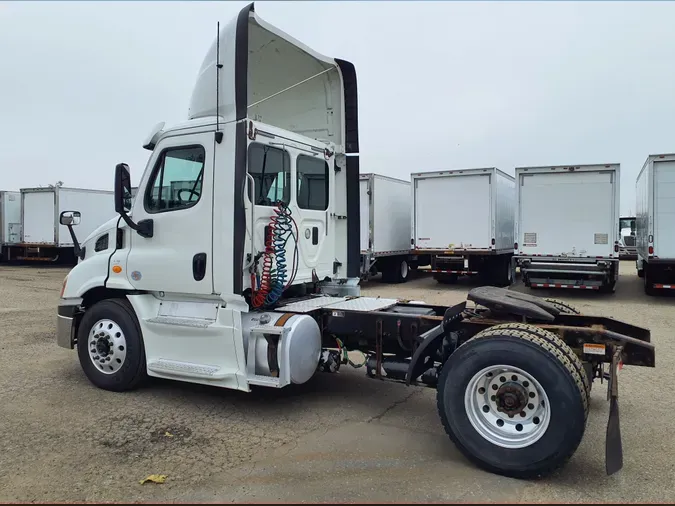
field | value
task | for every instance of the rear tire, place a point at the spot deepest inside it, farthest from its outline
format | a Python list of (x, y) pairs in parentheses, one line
[(556, 341), (648, 285), (608, 288), (563, 307), (97, 336), (521, 447)]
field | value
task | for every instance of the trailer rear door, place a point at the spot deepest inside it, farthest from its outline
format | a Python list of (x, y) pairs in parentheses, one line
[(664, 209), (39, 221), (567, 214), (453, 212)]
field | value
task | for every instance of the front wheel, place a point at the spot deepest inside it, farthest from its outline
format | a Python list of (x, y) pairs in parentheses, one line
[(513, 403), (110, 346)]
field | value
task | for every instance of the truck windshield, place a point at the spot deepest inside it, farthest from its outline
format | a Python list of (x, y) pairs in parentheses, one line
[(627, 223)]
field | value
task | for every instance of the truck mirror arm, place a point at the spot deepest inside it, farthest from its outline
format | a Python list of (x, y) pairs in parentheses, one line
[(144, 228), (76, 245)]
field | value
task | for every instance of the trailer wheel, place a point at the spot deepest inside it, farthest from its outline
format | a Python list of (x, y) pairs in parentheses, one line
[(513, 403), (110, 347), (649, 287), (396, 270), (563, 307)]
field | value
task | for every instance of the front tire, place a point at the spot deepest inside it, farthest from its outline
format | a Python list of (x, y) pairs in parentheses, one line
[(110, 346), (523, 367)]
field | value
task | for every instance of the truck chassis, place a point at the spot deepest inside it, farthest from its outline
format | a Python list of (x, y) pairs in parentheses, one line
[(513, 372)]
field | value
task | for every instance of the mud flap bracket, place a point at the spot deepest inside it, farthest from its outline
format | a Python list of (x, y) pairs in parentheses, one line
[(613, 445)]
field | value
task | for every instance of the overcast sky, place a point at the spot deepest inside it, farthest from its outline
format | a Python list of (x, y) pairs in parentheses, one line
[(441, 84)]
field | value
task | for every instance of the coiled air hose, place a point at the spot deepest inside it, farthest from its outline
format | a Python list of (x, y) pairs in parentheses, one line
[(272, 281)]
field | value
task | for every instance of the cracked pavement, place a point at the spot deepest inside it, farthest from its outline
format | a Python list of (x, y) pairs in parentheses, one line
[(341, 437)]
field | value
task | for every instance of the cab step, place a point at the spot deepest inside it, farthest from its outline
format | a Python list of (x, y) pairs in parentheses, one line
[(182, 322), (186, 369)]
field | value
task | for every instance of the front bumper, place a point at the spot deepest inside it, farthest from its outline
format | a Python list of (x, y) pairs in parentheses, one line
[(65, 319)]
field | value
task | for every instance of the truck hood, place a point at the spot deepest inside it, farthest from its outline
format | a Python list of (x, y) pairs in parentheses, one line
[(111, 223)]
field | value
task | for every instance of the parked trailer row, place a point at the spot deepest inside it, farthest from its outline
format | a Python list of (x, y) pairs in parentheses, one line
[(30, 221), (559, 224)]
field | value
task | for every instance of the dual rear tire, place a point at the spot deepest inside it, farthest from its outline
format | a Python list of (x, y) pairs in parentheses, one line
[(514, 400)]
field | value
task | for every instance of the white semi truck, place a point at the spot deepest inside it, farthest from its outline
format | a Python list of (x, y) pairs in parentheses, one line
[(385, 229), (655, 192), (478, 240), (10, 222), (567, 226), (627, 244), (249, 276), (42, 237)]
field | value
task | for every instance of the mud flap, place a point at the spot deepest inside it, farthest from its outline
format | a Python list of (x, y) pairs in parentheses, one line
[(613, 446)]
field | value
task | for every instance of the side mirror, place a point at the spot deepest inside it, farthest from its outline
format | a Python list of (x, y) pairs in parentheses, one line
[(70, 218), (123, 196), (122, 188)]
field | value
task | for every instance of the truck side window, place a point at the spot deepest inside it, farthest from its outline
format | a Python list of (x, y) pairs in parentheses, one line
[(312, 174), (271, 170), (176, 182)]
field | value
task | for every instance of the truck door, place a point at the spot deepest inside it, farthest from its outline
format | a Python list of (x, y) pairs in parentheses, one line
[(301, 179), (312, 189), (177, 195)]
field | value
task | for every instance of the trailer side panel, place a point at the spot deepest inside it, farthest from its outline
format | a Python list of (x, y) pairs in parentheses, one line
[(664, 209), (96, 207), (39, 220), (391, 215)]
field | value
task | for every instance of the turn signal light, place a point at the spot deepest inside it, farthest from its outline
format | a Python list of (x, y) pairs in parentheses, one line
[(63, 287)]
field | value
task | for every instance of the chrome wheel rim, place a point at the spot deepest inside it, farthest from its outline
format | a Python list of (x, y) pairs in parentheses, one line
[(107, 346), (404, 269), (507, 406)]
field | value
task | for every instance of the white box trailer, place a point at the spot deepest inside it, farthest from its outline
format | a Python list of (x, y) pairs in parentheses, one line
[(567, 226), (464, 219), (10, 220), (42, 237), (385, 228), (655, 227)]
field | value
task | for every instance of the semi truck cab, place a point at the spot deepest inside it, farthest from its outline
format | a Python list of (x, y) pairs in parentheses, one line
[(240, 206)]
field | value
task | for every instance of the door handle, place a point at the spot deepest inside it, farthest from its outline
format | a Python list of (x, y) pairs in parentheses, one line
[(199, 266), (315, 235)]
